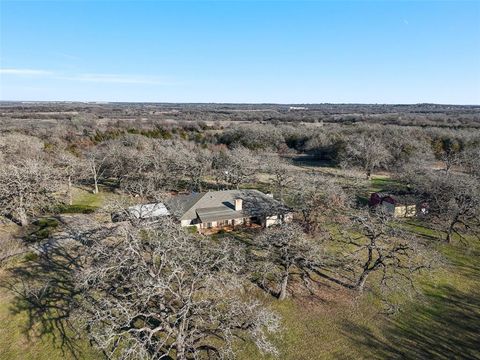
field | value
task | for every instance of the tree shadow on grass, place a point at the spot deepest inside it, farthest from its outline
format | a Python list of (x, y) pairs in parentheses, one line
[(446, 326), (44, 287), (465, 261), (45, 291)]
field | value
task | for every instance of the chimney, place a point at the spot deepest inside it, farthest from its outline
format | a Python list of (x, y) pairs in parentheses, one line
[(238, 204)]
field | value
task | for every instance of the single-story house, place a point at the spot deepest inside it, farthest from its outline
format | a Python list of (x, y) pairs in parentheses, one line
[(217, 209), (400, 205), (142, 212)]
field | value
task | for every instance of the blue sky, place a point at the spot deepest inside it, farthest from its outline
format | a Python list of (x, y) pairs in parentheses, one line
[(226, 51)]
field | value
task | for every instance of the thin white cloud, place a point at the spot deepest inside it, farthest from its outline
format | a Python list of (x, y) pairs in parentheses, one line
[(25, 72), (115, 79), (88, 77)]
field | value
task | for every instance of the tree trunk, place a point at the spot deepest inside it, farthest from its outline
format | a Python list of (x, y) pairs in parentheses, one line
[(95, 174), (369, 174), (22, 214), (181, 351), (450, 230), (449, 234), (448, 165), (70, 198), (362, 280), (180, 343), (95, 191), (283, 289), (22, 217), (280, 194), (366, 269)]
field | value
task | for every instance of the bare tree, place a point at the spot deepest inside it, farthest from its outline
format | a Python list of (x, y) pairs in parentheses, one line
[(17, 147), (235, 167), (252, 136), (471, 160), (286, 251), (186, 165), (73, 167), (26, 189), (281, 176), (316, 198), (154, 166), (454, 202), (143, 292), (450, 159), (367, 151), (449, 150), (375, 243), (160, 292), (96, 162), (138, 166), (199, 166), (408, 148)]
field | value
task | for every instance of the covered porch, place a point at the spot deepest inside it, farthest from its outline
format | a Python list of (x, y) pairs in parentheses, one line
[(227, 228)]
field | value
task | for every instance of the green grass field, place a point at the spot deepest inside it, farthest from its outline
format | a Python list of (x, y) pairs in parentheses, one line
[(88, 199), (17, 342), (443, 322)]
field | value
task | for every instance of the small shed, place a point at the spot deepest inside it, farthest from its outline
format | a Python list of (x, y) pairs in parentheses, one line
[(401, 205)]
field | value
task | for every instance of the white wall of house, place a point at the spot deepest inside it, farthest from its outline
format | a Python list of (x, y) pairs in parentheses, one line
[(400, 210), (269, 221), (405, 211), (184, 223), (277, 220), (272, 220), (238, 221)]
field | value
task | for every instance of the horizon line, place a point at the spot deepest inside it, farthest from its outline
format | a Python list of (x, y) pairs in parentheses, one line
[(229, 103)]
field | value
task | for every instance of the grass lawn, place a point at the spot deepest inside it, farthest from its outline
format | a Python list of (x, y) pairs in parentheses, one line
[(383, 183), (18, 344), (442, 322), (85, 202), (87, 198)]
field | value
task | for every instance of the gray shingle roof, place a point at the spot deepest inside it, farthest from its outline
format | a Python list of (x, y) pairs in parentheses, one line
[(221, 203), (180, 204), (218, 213)]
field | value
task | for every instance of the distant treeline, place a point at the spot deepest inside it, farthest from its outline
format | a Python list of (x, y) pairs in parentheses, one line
[(404, 115)]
